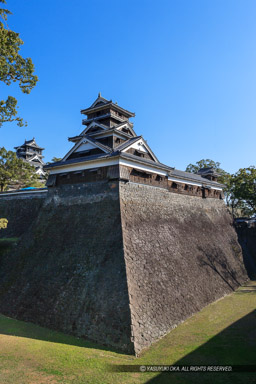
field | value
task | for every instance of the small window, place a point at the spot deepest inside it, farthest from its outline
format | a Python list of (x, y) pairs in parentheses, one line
[(174, 185), (142, 174)]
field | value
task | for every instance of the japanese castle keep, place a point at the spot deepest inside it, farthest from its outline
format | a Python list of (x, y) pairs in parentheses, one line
[(109, 149), (32, 154), (121, 248)]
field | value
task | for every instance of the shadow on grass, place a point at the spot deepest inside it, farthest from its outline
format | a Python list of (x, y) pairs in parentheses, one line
[(13, 327), (235, 345)]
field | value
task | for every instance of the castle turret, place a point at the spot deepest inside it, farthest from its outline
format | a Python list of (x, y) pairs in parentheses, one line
[(209, 173), (32, 154)]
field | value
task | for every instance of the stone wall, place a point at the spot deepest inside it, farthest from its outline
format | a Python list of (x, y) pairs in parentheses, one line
[(20, 209), (181, 253), (118, 263), (247, 240), (68, 272)]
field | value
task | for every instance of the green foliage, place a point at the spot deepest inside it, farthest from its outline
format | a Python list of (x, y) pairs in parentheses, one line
[(243, 184), (13, 68), (54, 159), (46, 172), (14, 171), (223, 178), (239, 190), (204, 163), (208, 163)]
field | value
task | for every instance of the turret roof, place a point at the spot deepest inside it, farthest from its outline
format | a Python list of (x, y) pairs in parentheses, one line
[(101, 103), (29, 143)]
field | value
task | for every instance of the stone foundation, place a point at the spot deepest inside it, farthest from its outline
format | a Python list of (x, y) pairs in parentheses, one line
[(20, 209), (120, 263), (181, 253)]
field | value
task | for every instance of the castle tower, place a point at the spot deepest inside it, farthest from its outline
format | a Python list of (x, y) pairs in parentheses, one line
[(109, 149), (124, 248), (32, 154)]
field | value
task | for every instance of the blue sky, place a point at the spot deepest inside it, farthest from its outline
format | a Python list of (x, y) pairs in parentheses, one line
[(186, 68)]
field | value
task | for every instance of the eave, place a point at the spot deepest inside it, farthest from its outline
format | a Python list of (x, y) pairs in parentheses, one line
[(109, 104)]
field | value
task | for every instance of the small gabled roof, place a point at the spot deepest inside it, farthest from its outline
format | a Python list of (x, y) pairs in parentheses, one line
[(30, 143), (126, 123), (92, 124), (37, 158), (208, 171), (100, 100), (100, 103), (90, 140), (129, 143)]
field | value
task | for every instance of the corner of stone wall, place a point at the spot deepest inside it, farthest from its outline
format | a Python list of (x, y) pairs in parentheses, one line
[(181, 253), (126, 254)]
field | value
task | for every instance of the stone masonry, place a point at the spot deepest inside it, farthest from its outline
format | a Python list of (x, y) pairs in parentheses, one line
[(120, 263), (181, 253)]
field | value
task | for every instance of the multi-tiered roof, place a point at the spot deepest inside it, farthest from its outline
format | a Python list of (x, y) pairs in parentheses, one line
[(108, 133), (109, 139), (32, 154)]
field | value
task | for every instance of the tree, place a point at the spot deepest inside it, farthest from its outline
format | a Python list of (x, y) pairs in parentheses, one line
[(13, 68), (46, 172), (244, 189), (207, 163), (14, 171), (239, 190), (224, 178), (54, 159)]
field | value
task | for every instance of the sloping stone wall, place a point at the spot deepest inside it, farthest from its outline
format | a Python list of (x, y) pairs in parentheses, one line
[(119, 263), (68, 272), (20, 210), (247, 240), (181, 253)]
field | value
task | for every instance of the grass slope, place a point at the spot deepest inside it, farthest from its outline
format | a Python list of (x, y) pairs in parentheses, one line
[(222, 333)]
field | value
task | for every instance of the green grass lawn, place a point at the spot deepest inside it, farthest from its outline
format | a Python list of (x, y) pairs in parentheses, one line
[(222, 333)]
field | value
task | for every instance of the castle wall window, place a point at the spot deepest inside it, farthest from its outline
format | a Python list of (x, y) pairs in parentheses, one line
[(144, 175), (174, 185)]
